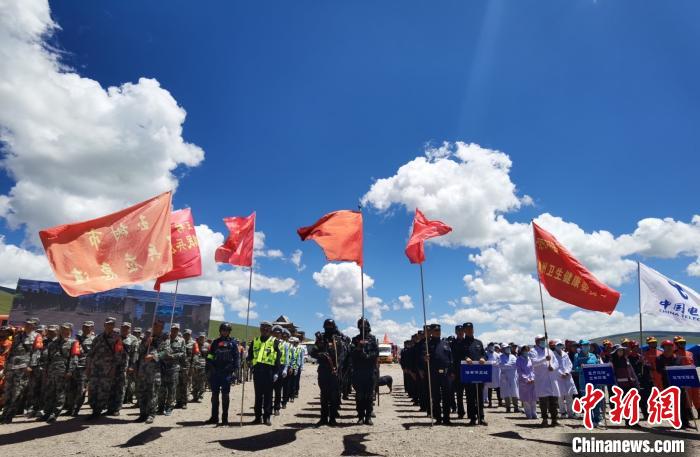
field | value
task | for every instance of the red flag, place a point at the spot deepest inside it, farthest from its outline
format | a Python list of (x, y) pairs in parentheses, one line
[(566, 279), (187, 260), (238, 247), (339, 234), (126, 247), (422, 230)]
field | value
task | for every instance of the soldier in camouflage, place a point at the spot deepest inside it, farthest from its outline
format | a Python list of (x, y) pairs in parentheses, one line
[(78, 381), (24, 354), (34, 400), (185, 378), (199, 363), (132, 387), (170, 367), (124, 369), (58, 353), (153, 348), (102, 362)]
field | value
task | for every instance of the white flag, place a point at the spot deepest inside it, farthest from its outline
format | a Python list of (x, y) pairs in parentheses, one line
[(661, 296)]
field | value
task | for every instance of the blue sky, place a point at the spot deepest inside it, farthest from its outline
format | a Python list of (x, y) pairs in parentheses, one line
[(300, 106)]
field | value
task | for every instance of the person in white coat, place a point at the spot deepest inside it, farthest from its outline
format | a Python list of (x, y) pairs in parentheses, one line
[(492, 355), (567, 387), (546, 385), (508, 380)]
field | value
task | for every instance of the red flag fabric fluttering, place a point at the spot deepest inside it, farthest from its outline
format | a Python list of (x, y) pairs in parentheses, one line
[(339, 234), (566, 279), (422, 230), (238, 247), (187, 259), (126, 247)]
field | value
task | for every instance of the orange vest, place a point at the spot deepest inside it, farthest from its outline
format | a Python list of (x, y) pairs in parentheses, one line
[(650, 356)]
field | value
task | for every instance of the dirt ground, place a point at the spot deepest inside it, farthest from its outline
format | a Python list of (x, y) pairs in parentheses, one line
[(399, 430)]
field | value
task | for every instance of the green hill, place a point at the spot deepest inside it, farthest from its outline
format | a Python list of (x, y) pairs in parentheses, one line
[(691, 337), (237, 330), (6, 297)]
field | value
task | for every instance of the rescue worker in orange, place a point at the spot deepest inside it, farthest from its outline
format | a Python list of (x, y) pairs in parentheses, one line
[(650, 356), (5, 345), (686, 358)]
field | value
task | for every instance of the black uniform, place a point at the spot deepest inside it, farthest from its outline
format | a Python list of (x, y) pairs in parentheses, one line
[(441, 369), (474, 350), (329, 351), (421, 375), (459, 353), (364, 365), (222, 362)]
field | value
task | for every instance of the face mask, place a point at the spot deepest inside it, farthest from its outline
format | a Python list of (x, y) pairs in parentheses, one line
[(542, 344)]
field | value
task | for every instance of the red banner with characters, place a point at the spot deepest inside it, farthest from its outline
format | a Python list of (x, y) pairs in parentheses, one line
[(187, 259), (126, 247), (566, 279)]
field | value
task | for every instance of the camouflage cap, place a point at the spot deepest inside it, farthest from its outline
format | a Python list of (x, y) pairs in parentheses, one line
[(202, 334), (88, 324), (187, 331), (126, 324), (67, 325), (31, 321), (175, 326), (41, 327), (52, 328), (110, 320), (137, 330)]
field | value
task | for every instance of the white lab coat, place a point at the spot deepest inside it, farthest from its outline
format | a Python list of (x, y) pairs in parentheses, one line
[(492, 358), (509, 375), (546, 384), (566, 383)]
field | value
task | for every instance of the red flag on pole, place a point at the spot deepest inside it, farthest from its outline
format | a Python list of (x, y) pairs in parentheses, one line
[(187, 260), (566, 279), (238, 247), (422, 230), (339, 234), (126, 247)]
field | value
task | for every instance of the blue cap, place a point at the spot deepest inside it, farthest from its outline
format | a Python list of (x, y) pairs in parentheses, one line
[(582, 342)]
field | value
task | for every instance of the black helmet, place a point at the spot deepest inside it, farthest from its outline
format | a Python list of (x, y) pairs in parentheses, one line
[(224, 326), (329, 323), (363, 323)]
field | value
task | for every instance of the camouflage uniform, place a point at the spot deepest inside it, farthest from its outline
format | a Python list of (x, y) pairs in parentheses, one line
[(34, 399), (127, 362), (148, 378), (185, 378), (24, 354), (78, 381), (101, 368), (58, 353), (199, 376), (170, 368)]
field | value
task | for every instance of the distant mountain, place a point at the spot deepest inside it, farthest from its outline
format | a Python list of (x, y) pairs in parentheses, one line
[(237, 331), (691, 337)]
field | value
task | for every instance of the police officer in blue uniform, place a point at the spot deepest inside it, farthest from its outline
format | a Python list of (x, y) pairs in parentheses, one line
[(222, 362), (441, 375)]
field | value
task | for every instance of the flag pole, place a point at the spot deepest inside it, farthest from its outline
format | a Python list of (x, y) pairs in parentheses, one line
[(539, 282), (362, 277), (639, 285), (172, 314), (247, 320), (153, 321), (427, 354)]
